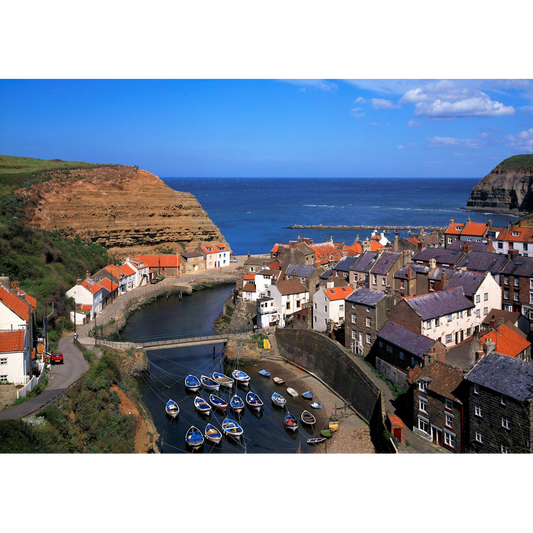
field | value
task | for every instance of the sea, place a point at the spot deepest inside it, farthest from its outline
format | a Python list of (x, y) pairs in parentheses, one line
[(254, 213)]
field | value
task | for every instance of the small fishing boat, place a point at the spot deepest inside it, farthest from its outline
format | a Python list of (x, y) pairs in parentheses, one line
[(333, 425), (192, 383), (223, 380), (278, 399), (316, 440), (231, 428), (194, 437), (236, 403), (308, 418), (241, 377), (292, 392), (172, 409), (201, 405), (253, 401), (326, 433), (218, 402), (208, 383), (265, 373), (212, 434), (308, 395), (278, 381), (316, 405), (290, 422), (266, 344)]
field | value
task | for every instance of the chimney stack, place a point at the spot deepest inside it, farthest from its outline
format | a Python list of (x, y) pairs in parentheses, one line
[(78, 281), (88, 274), (330, 284), (443, 279)]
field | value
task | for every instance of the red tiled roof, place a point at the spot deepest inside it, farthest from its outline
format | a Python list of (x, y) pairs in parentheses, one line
[(249, 287), (275, 265), (446, 379), (15, 303), (454, 229), (477, 229), (353, 250), (30, 299), (128, 271), (159, 260), (93, 288), (339, 293), (325, 252), (84, 307), (215, 248), (507, 341), (523, 235), (412, 240), (106, 283), (114, 271), (12, 341), (250, 275), (374, 246)]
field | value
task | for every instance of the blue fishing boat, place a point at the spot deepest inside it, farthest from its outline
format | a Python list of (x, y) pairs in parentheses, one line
[(218, 402), (208, 383), (223, 380), (278, 399), (212, 434), (201, 405), (241, 377), (194, 437), (253, 401), (231, 428), (192, 383), (290, 422), (265, 373), (316, 405), (308, 395), (316, 440), (236, 403), (172, 409)]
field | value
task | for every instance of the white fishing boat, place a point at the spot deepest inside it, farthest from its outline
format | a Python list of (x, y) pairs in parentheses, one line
[(292, 392)]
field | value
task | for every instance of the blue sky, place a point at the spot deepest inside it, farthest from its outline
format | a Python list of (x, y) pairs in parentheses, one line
[(272, 128)]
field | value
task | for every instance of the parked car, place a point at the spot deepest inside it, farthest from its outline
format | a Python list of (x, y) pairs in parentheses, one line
[(56, 357), (232, 259)]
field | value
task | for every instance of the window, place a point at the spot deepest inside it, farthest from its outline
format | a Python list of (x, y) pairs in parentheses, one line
[(477, 411), (469, 332), (505, 423), (402, 356), (503, 400), (341, 307), (288, 305), (460, 314), (354, 335), (478, 298), (449, 318), (506, 280), (469, 312), (325, 309), (413, 362), (431, 285), (437, 322), (325, 321), (389, 348), (368, 322), (381, 344), (422, 385), (449, 338), (374, 279), (478, 313), (368, 338), (354, 319), (485, 311), (448, 404), (402, 284), (531, 283), (485, 296), (299, 303), (448, 420), (315, 318), (3, 379), (525, 246), (506, 294), (531, 297), (516, 296), (316, 306), (422, 425), (3, 360), (383, 281), (504, 449), (500, 245), (476, 388), (427, 324), (368, 309), (516, 280), (479, 437), (449, 439)]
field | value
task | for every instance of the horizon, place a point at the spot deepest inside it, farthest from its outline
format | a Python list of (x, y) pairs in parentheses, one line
[(272, 128)]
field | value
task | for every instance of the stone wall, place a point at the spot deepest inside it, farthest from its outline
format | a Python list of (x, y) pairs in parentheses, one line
[(393, 374)]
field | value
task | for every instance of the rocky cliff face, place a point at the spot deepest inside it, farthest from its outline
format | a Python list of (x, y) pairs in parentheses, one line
[(125, 209), (507, 189)]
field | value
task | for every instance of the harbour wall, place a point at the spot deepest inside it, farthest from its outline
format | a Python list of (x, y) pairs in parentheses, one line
[(326, 359)]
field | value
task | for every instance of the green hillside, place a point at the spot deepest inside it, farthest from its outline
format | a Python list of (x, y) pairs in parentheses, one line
[(517, 161), (45, 263)]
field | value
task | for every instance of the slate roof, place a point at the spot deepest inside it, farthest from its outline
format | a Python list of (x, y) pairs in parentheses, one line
[(441, 255), (345, 263), (519, 266), (268, 272), (470, 281), (444, 379), (475, 246), (504, 375), (301, 271), (327, 274), (12, 341), (366, 297), (507, 341), (406, 340), (385, 262), (483, 262), (364, 262), (402, 273), (440, 303), (437, 273)]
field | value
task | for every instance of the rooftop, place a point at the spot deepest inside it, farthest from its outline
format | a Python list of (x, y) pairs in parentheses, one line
[(300, 271), (440, 303), (405, 339), (12, 341), (469, 281), (366, 297), (483, 262), (443, 379), (338, 293), (507, 341)]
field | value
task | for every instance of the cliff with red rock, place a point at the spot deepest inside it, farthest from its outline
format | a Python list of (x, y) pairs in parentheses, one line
[(123, 208)]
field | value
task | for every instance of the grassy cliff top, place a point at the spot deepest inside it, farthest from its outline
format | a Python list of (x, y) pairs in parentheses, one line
[(523, 161)]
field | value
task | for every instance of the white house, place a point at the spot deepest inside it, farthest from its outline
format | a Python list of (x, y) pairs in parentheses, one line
[(267, 313), (288, 297), (141, 270), (216, 255), (264, 279), (519, 239), (479, 287), (329, 305), (87, 293), (15, 336)]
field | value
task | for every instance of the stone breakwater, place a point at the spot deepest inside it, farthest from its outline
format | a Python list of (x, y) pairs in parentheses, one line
[(388, 228)]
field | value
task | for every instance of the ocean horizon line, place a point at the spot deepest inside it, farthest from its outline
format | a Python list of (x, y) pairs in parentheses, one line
[(319, 178)]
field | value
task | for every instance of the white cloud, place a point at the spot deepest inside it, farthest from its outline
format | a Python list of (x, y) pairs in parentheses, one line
[(356, 112), (413, 123), (360, 100), (322, 85), (445, 142), (382, 103), (450, 99), (522, 141)]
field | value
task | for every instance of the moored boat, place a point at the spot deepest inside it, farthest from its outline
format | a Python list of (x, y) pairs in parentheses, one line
[(278, 399), (308, 418), (192, 383), (201, 405), (212, 434), (266, 344), (316, 440), (223, 380), (194, 437), (316, 405), (218, 402), (278, 381), (333, 425), (231, 428), (308, 395), (290, 422), (265, 373), (292, 392), (241, 377), (236, 403), (208, 383), (172, 409), (253, 401)]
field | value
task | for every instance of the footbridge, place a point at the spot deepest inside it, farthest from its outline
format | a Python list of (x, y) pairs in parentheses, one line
[(164, 342)]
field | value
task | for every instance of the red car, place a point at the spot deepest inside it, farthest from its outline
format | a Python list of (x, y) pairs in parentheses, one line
[(56, 357)]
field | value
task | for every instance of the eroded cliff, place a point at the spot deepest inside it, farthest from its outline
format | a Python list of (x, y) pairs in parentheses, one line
[(125, 209), (507, 189)]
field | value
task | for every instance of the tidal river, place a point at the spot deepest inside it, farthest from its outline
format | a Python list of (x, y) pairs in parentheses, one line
[(195, 313)]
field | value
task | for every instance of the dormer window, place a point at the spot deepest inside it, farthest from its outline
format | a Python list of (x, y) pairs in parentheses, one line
[(515, 234)]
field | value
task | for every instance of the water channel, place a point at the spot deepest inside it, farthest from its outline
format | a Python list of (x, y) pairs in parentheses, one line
[(263, 432)]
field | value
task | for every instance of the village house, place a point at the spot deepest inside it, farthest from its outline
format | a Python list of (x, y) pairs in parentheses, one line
[(329, 307), (516, 281), (416, 279), (110, 291), (342, 268), (445, 315), (295, 253), (515, 238), (498, 316), (382, 270), (216, 255), (476, 261), (267, 312), (249, 290), (265, 278), (89, 294), (142, 272), (192, 262), (288, 297), (167, 265), (113, 274), (255, 263), (438, 408), (499, 399), (16, 333), (307, 275), (130, 276), (467, 247), (359, 271), (326, 253), (365, 314), (467, 232), (443, 257), (480, 288), (398, 351), (508, 340)]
